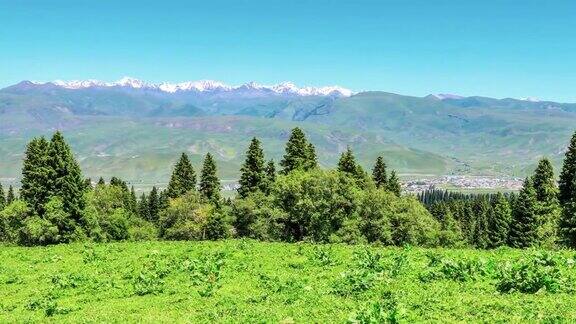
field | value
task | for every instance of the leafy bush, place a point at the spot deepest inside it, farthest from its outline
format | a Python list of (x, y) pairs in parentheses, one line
[(540, 272), (205, 272), (386, 310), (457, 270)]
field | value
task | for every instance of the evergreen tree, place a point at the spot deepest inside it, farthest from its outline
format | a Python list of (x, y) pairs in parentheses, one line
[(36, 178), (209, 182), (67, 181), (568, 174), (153, 205), (347, 162), (482, 211), (548, 208), (11, 196), (101, 182), (523, 230), (2, 198), (379, 173), (500, 219), (133, 201), (88, 184), (299, 153), (253, 172), (143, 210), (183, 178), (394, 184)]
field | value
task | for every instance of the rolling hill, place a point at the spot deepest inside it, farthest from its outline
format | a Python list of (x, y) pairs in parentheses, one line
[(136, 130)]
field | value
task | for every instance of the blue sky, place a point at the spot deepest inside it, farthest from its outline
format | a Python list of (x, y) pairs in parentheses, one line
[(496, 48)]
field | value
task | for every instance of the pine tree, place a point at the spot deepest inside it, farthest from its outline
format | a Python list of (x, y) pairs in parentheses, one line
[(2, 198), (253, 172), (143, 210), (36, 178), (101, 182), (209, 182), (153, 205), (379, 173), (524, 226), (481, 234), (548, 208), (183, 178), (299, 153), (394, 184), (10, 197), (347, 162), (568, 175), (133, 201), (67, 181), (500, 219)]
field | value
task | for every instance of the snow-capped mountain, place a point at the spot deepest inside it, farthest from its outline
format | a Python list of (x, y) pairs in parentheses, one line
[(443, 96), (285, 88)]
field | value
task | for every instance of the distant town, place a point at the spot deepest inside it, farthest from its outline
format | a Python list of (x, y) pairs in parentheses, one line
[(456, 182)]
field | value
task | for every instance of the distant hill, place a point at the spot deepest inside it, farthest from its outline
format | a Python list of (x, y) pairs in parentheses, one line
[(136, 130)]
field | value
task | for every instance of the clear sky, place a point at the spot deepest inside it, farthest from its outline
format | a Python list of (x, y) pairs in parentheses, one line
[(499, 48)]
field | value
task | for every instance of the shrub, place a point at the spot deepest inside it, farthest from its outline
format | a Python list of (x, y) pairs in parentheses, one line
[(534, 274), (386, 310), (457, 270), (186, 218)]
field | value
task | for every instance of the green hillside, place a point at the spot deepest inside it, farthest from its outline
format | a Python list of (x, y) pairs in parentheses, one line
[(247, 281)]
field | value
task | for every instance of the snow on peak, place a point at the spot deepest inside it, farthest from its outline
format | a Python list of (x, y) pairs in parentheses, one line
[(530, 99), (287, 88)]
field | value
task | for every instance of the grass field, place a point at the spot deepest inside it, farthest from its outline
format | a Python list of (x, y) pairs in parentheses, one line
[(249, 281)]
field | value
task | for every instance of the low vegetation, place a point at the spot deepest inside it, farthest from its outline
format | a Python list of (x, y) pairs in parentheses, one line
[(251, 281)]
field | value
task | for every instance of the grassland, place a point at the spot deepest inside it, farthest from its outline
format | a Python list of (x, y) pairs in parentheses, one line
[(248, 281)]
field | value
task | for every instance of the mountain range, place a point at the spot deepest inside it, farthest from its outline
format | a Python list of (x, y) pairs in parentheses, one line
[(136, 130)]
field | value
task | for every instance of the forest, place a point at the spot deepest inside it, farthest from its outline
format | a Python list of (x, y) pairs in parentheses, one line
[(290, 201)]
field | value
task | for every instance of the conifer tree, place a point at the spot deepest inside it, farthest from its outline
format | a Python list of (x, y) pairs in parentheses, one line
[(270, 176), (481, 235), (10, 197), (209, 182), (2, 198), (133, 201), (394, 184), (67, 181), (183, 178), (299, 153), (101, 182), (379, 173), (36, 176), (253, 172), (153, 205), (143, 210), (347, 162), (500, 219), (548, 208), (567, 179), (524, 226)]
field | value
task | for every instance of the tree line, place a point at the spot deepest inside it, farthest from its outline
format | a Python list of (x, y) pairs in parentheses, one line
[(299, 201)]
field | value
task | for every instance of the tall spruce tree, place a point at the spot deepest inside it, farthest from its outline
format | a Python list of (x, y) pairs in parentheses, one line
[(153, 205), (299, 153), (183, 178), (209, 182), (481, 208), (133, 201), (500, 219), (394, 184), (379, 173), (2, 198), (101, 182), (11, 196), (36, 180), (270, 176), (568, 174), (548, 208), (66, 178), (524, 227), (347, 162), (143, 210), (253, 171)]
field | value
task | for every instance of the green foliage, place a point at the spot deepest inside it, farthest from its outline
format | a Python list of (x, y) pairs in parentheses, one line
[(379, 175), (566, 183), (385, 310), (537, 273), (548, 208), (2, 197), (300, 154), (394, 184), (183, 178), (524, 227), (36, 175), (253, 175), (441, 268), (209, 182), (500, 219)]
